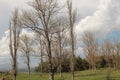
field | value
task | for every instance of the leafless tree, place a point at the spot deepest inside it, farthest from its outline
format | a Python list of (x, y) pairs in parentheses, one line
[(14, 40), (72, 19), (59, 42), (116, 54), (90, 48), (60, 37), (107, 51), (40, 49), (43, 20), (26, 49)]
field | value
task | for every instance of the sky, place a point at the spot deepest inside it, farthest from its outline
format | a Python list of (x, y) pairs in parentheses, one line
[(102, 17)]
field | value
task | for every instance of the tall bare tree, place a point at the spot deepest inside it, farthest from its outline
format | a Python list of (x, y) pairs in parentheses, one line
[(43, 20), (26, 49), (72, 19), (14, 40)]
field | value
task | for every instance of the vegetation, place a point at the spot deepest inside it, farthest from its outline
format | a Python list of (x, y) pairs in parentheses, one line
[(54, 42), (80, 65), (99, 74)]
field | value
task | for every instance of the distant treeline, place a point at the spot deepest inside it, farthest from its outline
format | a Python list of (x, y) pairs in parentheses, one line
[(80, 65)]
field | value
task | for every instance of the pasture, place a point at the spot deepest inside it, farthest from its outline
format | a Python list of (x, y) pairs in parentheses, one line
[(100, 74)]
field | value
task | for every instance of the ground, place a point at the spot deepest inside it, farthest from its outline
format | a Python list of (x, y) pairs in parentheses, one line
[(80, 75)]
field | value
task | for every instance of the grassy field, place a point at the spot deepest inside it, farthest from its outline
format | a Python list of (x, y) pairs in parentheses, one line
[(82, 75)]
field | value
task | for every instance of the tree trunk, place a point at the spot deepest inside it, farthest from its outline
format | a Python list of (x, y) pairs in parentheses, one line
[(41, 58), (71, 22), (73, 61), (60, 52), (51, 75), (28, 69), (72, 70), (14, 77), (60, 70), (51, 69), (14, 68), (41, 67), (28, 63)]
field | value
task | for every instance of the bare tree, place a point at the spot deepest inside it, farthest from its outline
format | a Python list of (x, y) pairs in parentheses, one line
[(90, 48), (107, 51), (59, 42), (40, 49), (116, 55), (72, 18), (43, 20), (60, 36), (26, 49), (14, 40)]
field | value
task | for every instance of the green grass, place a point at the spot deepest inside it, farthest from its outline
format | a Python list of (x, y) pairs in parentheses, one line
[(80, 75)]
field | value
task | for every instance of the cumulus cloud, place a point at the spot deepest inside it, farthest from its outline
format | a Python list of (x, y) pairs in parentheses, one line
[(28, 33), (104, 20), (5, 53), (4, 43)]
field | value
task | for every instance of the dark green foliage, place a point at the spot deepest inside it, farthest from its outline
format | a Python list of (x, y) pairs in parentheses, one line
[(66, 65), (81, 64), (102, 62)]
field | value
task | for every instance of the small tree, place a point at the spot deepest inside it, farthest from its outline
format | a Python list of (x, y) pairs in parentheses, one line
[(116, 55), (107, 51), (91, 49), (40, 49), (26, 49)]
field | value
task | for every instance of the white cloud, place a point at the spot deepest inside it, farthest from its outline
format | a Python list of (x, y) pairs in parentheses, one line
[(28, 33), (5, 53), (4, 44), (103, 20)]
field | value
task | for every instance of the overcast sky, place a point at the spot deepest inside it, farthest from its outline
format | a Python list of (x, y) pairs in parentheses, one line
[(102, 17)]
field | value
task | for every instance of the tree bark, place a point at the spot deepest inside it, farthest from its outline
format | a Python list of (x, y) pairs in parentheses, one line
[(28, 68), (51, 69)]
